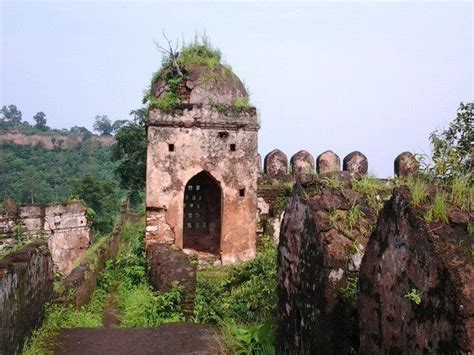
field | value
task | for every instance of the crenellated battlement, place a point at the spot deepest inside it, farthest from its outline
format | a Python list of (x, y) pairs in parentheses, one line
[(278, 169)]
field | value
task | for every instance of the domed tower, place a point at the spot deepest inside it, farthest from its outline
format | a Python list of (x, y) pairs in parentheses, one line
[(201, 161)]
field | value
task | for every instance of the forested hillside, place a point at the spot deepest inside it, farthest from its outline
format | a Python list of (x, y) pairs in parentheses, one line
[(33, 174)]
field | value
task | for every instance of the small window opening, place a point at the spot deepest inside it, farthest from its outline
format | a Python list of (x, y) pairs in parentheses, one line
[(232, 147), (223, 135), (171, 147), (242, 192)]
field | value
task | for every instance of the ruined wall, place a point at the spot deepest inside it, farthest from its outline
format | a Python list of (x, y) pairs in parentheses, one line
[(65, 227), (386, 284), (81, 282), (26, 285), (224, 144), (319, 255), (406, 255), (54, 141)]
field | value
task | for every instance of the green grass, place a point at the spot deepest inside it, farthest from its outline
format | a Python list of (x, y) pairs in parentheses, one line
[(418, 189), (167, 103), (139, 305), (368, 185), (42, 341), (242, 293), (462, 195), (200, 52), (354, 215), (437, 212), (332, 182), (350, 218), (241, 103), (470, 229), (375, 191)]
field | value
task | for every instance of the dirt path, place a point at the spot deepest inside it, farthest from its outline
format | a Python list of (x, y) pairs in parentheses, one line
[(111, 315), (168, 339)]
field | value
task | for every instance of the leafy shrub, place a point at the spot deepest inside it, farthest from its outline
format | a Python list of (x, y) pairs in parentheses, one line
[(243, 294), (140, 306), (256, 339), (453, 155), (413, 296)]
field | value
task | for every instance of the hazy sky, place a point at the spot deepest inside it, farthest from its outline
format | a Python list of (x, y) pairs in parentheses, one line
[(374, 77)]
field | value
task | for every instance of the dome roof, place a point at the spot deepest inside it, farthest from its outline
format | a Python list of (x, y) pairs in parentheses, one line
[(203, 85)]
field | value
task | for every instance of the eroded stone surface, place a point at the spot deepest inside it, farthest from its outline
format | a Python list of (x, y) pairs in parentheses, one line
[(405, 255), (302, 163), (26, 285), (319, 255), (222, 145), (65, 226), (276, 163), (405, 164), (328, 162), (204, 85), (355, 163), (169, 264)]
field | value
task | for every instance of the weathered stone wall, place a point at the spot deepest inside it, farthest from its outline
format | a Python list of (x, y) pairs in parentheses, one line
[(81, 282), (223, 144), (26, 284), (319, 256), (54, 141), (434, 261), (412, 292), (65, 226)]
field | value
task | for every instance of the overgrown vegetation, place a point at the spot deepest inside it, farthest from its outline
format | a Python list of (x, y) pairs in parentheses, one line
[(242, 300), (34, 174), (437, 211), (452, 149), (375, 190), (176, 66), (42, 341), (139, 305)]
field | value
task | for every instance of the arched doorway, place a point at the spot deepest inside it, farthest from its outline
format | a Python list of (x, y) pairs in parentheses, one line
[(202, 214)]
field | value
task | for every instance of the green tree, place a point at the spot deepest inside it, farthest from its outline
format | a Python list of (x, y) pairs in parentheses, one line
[(11, 116), (102, 196), (130, 152), (118, 124), (40, 119), (103, 125), (453, 149)]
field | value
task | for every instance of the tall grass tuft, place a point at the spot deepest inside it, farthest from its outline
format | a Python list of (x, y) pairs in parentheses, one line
[(462, 195), (437, 212)]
